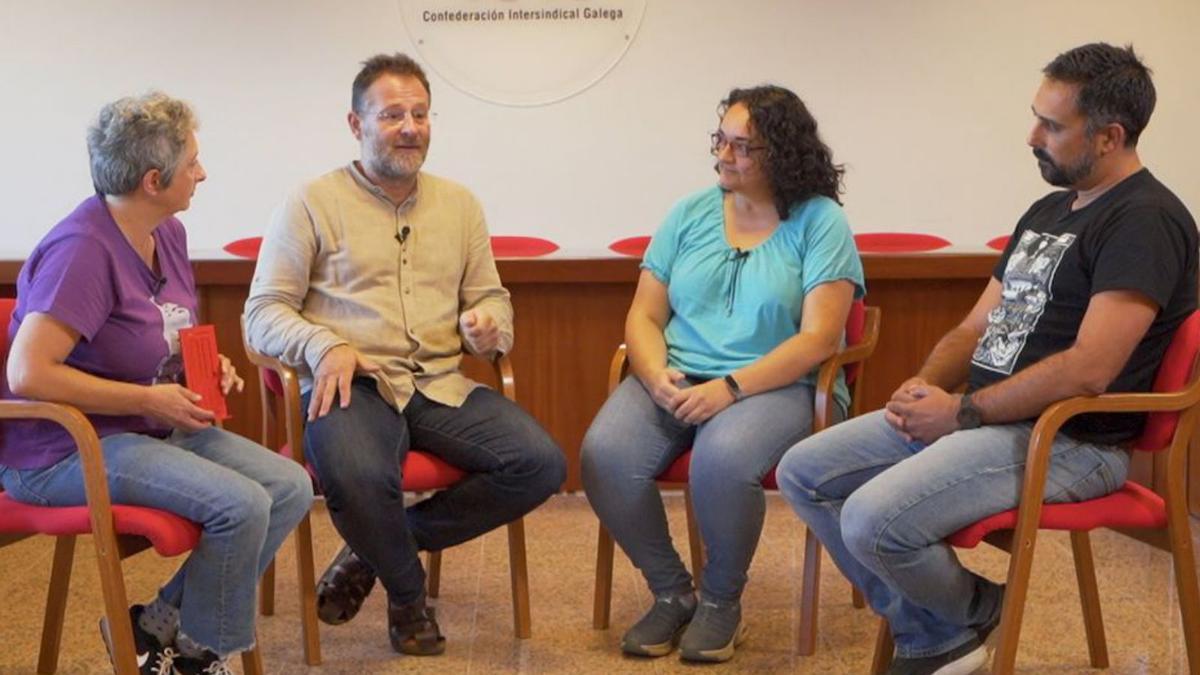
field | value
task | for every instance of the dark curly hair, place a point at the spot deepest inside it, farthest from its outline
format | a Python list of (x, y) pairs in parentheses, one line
[(798, 163), (1114, 86)]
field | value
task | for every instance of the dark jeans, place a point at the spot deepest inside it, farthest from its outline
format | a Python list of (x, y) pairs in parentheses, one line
[(512, 466)]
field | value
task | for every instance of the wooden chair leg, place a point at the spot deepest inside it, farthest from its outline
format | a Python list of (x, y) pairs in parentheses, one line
[(602, 590), (810, 592), (56, 603), (433, 573), (116, 603), (307, 576), (1009, 630), (1089, 597), (856, 598), (266, 591), (518, 567), (884, 647), (695, 541), (252, 663), (1184, 558)]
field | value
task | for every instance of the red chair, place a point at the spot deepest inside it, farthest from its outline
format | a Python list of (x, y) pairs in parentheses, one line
[(1133, 510), (998, 243), (279, 386), (118, 531), (898, 242), (862, 333), (634, 247), (245, 248), (521, 247)]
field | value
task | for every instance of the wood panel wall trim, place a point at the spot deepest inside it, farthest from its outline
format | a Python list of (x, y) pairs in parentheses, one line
[(615, 270)]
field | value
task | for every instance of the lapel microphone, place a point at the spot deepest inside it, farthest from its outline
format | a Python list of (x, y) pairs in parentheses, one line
[(402, 235)]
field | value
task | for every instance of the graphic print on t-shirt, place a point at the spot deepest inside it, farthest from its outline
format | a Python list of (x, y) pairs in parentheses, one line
[(1025, 292), (170, 369)]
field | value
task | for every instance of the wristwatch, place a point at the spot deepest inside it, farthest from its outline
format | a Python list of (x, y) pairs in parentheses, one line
[(969, 417), (734, 388)]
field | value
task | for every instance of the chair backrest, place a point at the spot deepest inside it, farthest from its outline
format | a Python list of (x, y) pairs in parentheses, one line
[(1174, 374), (7, 306), (898, 242)]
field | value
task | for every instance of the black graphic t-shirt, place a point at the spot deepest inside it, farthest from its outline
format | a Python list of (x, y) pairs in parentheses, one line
[(1137, 236)]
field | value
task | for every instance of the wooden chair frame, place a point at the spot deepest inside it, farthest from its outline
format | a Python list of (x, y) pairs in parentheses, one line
[(1175, 538), (293, 428), (110, 547), (822, 418)]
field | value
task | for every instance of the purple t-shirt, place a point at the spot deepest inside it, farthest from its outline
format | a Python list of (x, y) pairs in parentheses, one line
[(86, 274)]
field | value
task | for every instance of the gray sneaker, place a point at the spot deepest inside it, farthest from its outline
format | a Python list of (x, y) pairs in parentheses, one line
[(714, 632), (657, 633)]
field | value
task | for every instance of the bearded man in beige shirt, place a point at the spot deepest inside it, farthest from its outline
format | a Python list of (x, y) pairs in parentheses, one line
[(371, 281)]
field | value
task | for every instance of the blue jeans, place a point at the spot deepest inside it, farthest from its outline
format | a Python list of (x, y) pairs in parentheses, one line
[(245, 498), (883, 506), (632, 440), (512, 466)]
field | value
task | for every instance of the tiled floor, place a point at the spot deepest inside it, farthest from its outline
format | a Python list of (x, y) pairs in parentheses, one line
[(1136, 587)]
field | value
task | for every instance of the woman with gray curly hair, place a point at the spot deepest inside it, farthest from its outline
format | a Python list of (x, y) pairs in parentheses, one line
[(100, 302), (744, 291)]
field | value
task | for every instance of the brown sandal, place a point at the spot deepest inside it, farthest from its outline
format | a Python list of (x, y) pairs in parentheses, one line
[(413, 630), (343, 587)]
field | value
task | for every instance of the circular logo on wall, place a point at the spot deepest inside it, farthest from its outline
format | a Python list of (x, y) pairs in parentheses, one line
[(522, 52)]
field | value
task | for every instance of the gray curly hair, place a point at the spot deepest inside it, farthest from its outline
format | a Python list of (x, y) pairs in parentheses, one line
[(133, 135)]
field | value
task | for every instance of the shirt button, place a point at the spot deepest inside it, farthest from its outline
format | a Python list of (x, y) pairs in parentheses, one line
[(404, 261), (407, 291)]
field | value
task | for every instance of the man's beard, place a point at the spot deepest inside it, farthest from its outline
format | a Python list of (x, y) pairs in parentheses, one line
[(1065, 175), (394, 164)]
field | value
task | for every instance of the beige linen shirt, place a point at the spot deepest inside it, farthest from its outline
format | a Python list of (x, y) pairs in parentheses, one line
[(333, 270)]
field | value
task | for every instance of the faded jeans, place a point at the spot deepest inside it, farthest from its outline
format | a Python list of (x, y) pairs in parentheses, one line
[(633, 440), (245, 498), (883, 508)]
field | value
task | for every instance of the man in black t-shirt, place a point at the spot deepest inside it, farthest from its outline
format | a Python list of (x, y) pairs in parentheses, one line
[(1084, 300)]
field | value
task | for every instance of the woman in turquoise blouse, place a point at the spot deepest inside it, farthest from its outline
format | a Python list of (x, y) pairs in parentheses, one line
[(744, 291)]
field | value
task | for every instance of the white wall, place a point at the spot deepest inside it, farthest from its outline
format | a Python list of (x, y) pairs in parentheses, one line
[(926, 101)]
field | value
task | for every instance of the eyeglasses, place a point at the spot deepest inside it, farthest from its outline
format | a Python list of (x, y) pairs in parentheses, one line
[(741, 146), (394, 116)]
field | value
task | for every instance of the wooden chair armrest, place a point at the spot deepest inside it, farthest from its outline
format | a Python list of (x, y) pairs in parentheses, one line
[(618, 367), (504, 375), (95, 481), (827, 375)]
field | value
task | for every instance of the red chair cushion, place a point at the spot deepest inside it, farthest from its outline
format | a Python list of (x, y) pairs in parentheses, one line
[(1131, 506), (999, 242), (634, 247), (521, 247), (680, 468), (898, 242), (1172, 375), (245, 248), (422, 472), (171, 535)]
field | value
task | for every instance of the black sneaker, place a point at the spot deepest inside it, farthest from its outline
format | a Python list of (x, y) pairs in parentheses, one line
[(715, 632), (152, 657), (343, 587), (209, 664), (658, 632), (961, 660)]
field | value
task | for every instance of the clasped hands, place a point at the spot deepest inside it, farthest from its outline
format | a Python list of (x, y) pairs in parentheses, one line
[(922, 412), (693, 404)]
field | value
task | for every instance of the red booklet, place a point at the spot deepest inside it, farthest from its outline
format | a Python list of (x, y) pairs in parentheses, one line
[(202, 367)]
